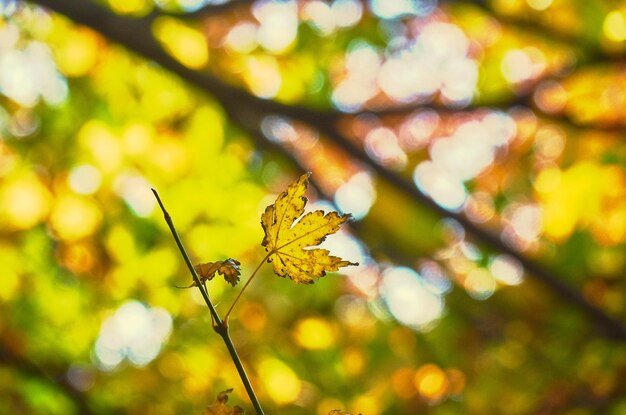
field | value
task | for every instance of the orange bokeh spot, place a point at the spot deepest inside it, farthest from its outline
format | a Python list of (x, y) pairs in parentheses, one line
[(456, 380), (78, 258), (353, 361), (253, 316), (431, 382), (402, 382)]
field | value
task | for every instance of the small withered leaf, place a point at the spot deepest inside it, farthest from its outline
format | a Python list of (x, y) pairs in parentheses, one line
[(228, 268), (288, 233), (221, 407), (230, 271)]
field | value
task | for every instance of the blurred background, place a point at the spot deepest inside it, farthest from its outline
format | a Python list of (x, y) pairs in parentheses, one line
[(478, 144)]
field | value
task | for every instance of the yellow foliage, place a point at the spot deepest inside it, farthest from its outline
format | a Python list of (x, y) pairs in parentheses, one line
[(74, 217), (11, 272), (79, 52), (579, 196), (263, 76), (431, 382), (353, 361), (280, 381), (614, 26), (132, 7), (314, 333), (171, 157), (104, 146), (120, 244), (24, 201), (286, 242), (138, 138), (186, 45)]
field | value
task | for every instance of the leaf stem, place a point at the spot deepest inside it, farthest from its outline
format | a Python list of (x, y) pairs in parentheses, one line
[(219, 326), (245, 286)]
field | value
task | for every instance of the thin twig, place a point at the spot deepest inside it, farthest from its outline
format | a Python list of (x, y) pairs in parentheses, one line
[(245, 286), (219, 326)]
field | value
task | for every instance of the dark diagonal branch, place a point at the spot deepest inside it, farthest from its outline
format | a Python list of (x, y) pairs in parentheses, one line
[(58, 380), (136, 36), (591, 49), (204, 11), (220, 326), (535, 27), (613, 327), (590, 54), (616, 126), (390, 250)]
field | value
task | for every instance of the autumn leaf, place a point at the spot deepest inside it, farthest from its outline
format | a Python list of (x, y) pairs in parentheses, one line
[(285, 241), (221, 407), (228, 268)]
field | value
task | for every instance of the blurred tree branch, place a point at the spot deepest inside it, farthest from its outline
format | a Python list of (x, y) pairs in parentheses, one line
[(58, 379), (523, 99), (592, 55), (136, 35), (391, 251), (204, 11), (590, 48), (533, 26)]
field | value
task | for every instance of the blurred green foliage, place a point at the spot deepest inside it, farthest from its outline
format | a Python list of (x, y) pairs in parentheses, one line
[(434, 321)]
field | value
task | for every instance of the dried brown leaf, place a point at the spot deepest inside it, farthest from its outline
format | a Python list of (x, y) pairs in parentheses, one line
[(228, 268), (221, 407)]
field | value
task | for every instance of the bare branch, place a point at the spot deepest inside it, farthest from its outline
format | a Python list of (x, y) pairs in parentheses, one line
[(617, 126), (210, 9)]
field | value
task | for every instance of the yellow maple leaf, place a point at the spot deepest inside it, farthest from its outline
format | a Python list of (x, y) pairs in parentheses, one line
[(285, 241), (229, 268), (221, 407)]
